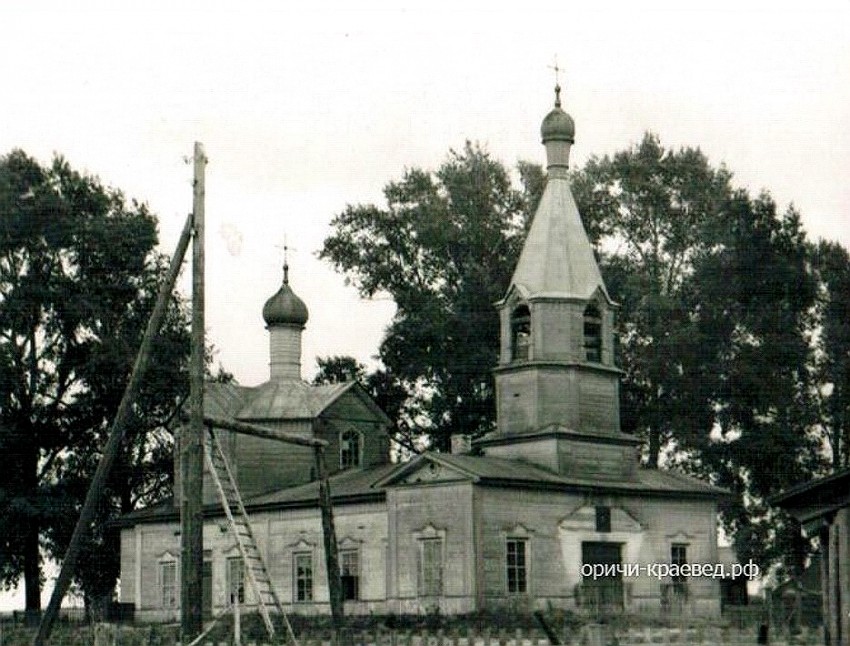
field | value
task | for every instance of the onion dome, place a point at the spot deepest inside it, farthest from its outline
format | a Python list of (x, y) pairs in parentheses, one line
[(558, 125), (285, 308)]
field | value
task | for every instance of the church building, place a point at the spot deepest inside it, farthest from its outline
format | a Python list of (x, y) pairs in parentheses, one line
[(552, 507)]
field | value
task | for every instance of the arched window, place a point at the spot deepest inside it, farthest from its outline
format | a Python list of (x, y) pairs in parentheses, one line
[(520, 332), (349, 449), (593, 333)]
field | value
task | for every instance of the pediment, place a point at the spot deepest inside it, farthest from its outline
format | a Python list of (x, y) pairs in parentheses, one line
[(600, 295), (349, 543), (517, 293), (425, 469), (301, 545), (583, 519), (433, 472)]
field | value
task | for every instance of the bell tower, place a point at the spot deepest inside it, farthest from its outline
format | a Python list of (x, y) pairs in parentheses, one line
[(557, 387)]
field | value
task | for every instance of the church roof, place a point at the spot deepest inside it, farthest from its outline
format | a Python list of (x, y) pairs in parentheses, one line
[(349, 486), (369, 485), (500, 471), (557, 257), (272, 400)]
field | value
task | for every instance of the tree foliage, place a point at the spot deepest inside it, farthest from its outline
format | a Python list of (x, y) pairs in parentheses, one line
[(716, 300), (78, 278), (443, 248), (832, 267), (649, 211)]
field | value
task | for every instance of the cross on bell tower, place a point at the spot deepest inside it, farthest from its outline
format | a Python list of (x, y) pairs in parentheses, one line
[(557, 386)]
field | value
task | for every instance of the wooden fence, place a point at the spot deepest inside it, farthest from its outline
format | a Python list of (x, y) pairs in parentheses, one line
[(589, 635)]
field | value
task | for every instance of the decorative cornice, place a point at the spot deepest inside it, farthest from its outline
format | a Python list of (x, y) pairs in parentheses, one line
[(502, 439), (516, 366)]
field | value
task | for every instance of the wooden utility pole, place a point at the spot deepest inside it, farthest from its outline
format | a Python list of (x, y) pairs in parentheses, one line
[(331, 551), (192, 436), (116, 435)]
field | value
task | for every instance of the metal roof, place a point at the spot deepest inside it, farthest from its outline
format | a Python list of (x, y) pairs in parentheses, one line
[(370, 484), (273, 400), (487, 470), (557, 258)]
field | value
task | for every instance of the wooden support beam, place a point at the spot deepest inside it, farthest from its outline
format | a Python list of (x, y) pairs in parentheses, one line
[(192, 437), (116, 435), (256, 430), (331, 548)]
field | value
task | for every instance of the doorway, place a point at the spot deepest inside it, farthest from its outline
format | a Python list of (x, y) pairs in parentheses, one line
[(602, 592)]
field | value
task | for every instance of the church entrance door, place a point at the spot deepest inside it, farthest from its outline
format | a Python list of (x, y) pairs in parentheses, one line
[(602, 592)]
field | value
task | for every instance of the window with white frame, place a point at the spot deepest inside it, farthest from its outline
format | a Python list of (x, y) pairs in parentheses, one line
[(349, 570), (430, 567), (516, 562), (302, 576), (168, 583), (235, 580), (349, 449)]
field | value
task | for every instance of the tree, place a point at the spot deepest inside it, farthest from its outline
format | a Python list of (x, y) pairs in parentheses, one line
[(716, 298), (649, 211), (443, 248), (756, 294), (832, 266), (78, 278)]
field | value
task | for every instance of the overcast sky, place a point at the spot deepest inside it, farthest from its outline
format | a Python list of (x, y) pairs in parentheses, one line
[(303, 111)]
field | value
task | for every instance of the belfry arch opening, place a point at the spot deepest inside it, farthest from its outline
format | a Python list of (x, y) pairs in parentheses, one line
[(593, 333), (520, 332)]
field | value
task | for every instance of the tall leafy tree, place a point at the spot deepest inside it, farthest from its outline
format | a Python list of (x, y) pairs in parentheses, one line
[(78, 277), (756, 295), (832, 266), (443, 248), (649, 211), (716, 299)]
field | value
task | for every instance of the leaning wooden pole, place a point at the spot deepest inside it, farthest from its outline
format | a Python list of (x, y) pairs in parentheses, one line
[(256, 430), (192, 436), (113, 444), (331, 550)]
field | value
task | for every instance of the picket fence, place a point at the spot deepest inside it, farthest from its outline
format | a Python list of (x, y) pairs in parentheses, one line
[(588, 636)]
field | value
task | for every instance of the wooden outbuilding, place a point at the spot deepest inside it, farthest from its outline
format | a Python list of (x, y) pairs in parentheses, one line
[(823, 508)]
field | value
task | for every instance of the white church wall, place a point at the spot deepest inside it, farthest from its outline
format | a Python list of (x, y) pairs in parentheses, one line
[(441, 512), (645, 529), (279, 535)]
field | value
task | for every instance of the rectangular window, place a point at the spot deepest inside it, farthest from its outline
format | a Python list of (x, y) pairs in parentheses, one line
[(349, 449), (235, 580), (168, 584), (678, 556), (302, 565), (516, 558), (603, 519), (349, 570), (430, 567)]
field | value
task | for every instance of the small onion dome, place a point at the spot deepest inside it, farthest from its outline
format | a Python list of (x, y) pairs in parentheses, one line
[(558, 125), (285, 308)]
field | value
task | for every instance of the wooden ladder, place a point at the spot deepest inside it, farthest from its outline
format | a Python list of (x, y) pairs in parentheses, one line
[(240, 527)]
